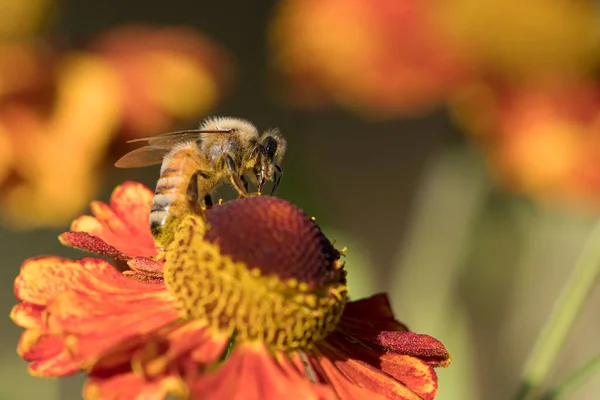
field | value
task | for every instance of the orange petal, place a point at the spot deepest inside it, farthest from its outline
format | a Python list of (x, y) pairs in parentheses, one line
[(96, 324), (187, 347), (126, 387), (334, 365), (143, 268), (48, 352), (43, 278), (252, 373), (124, 223), (416, 374), (27, 315)]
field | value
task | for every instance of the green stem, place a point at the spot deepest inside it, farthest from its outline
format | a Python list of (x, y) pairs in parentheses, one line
[(574, 380), (568, 305)]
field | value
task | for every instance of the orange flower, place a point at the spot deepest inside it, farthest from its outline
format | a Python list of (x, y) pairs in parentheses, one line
[(250, 304), (541, 139), (134, 81), (167, 74), (377, 57)]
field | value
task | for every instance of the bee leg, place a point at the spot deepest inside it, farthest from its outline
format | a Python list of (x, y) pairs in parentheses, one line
[(245, 182), (236, 181), (208, 201), (278, 176), (193, 193)]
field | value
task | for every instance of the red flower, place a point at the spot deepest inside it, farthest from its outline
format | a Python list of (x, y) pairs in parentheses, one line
[(250, 303), (541, 139), (377, 57)]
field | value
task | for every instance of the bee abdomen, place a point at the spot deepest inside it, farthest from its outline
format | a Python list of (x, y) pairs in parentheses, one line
[(169, 184), (160, 211)]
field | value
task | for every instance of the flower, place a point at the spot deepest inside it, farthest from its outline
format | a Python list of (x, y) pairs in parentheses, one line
[(131, 81), (167, 75), (375, 57), (541, 139), (250, 302), (524, 40)]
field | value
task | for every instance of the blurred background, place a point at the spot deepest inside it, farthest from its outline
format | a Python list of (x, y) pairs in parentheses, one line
[(452, 145)]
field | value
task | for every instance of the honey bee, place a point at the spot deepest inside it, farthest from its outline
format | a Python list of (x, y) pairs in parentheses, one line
[(196, 161)]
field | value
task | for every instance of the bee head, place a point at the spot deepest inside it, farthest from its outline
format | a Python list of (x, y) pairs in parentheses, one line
[(271, 151)]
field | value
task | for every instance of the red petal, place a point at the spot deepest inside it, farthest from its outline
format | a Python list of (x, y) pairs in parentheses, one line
[(377, 307), (334, 364), (145, 268), (93, 244), (252, 373), (415, 373), (425, 347), (419, 376), (124, 223)]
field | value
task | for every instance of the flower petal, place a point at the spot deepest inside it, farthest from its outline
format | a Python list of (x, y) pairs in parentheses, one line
[(187, 347), (144, 269), (254, 374), (416, 374), (124, 223), (81, 299), (91, 243), (130, 386), (43, 278), (333, 364), (377, 307), (48, 353), (27, 315), (425, 347)]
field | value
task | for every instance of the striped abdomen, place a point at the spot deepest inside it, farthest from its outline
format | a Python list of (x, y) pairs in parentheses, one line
[(174, 197)]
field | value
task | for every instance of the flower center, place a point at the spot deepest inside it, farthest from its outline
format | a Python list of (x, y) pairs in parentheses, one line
[(258, 267)]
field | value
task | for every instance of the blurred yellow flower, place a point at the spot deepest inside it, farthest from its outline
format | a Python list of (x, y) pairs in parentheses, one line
[(376, 57), (60, 112), (167, 75), (57, 157), (540, 139), (526, 38)]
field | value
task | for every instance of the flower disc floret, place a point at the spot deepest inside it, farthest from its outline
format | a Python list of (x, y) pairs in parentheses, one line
[(260, 268)]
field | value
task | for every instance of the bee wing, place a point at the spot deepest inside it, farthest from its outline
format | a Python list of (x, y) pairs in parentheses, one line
[(169, 139), (142, 157)]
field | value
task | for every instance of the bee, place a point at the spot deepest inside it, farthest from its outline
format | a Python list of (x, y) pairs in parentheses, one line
[(196, 161)]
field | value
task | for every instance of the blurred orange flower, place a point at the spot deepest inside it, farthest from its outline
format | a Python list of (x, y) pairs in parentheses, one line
[(255, 309), (167, 75), (377, 57), (541, 139), (60, 112)]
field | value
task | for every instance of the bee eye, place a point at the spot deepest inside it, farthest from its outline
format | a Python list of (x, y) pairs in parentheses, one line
[(270, 146)]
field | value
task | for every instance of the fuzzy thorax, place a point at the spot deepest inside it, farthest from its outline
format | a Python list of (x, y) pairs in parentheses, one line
[(261, 268)]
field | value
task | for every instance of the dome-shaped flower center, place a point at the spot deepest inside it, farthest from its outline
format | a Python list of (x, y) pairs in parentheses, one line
[(259, 267)]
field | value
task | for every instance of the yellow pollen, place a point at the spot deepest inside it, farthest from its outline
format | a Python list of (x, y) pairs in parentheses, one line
[(232, 297)]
